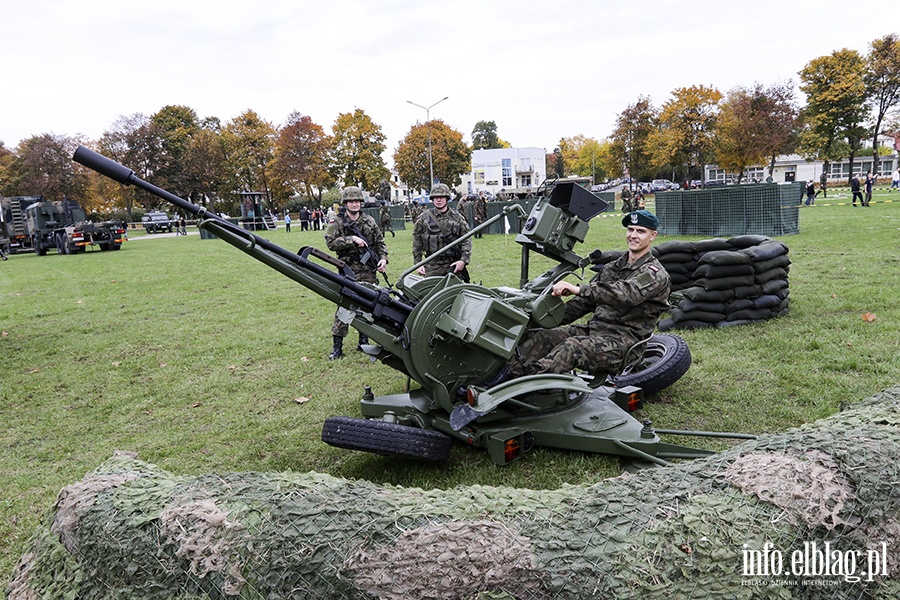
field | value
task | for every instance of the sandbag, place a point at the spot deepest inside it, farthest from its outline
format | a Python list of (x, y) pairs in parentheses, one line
[(765, 251), (710, 270), (745, 241), (724, 257)]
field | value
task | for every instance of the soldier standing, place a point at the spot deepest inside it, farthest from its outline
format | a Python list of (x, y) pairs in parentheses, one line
[(479, 213), (435, 228), (463, 208), (384, 215), (626, 200), (823, 185), (356, 239)]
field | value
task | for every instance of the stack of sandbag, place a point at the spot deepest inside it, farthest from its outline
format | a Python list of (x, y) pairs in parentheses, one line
[(723, 282)]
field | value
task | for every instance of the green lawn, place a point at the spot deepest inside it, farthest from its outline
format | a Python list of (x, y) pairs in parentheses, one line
[(200, 359)]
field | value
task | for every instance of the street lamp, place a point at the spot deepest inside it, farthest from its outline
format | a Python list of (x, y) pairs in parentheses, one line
[(428, 120)]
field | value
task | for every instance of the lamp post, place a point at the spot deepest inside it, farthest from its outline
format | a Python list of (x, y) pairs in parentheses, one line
[(428, 120)]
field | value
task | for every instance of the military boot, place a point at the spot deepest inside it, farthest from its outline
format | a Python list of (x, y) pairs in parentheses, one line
[(338, 350), (363, 340)]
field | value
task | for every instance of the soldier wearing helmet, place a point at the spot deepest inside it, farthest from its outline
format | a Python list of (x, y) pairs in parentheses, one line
[(435, 228), (357, 240)]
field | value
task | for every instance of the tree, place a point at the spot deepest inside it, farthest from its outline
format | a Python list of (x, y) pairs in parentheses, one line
[(484, 136), (204, 164), (755, 125), (556, 163), (450, 155), (581, 155), (629, 140), (6, 158), (357, 148), (131, 141), (686, 128), (835, 106), (249, 146), (43, 166), (302, 155), (175, 126), (882, 79)]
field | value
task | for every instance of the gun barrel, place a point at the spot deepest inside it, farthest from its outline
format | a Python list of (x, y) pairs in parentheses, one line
[(375, 301)]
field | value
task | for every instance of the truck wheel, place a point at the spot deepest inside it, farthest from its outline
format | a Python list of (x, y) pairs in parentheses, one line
[(666, 359), (60, 242), (387, 439), (38, 247)]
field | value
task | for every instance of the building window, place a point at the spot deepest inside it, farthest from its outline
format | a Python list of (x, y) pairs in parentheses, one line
[(507, 172), (716, 175), (526, 181), (757, 174)]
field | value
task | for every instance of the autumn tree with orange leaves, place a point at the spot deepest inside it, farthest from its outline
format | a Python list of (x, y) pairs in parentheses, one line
[(754, 126), (686, 128), (450, 155), (302, 155)]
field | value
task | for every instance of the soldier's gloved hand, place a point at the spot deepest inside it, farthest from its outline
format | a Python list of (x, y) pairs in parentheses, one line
[(421, 270), (458, 266), (358, 241), (382, 265)]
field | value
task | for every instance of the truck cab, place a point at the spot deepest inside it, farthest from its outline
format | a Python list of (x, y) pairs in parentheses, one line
[(156, 221)]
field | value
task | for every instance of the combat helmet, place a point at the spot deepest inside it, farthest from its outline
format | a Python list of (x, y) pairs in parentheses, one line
[(351, 192), (440, 189)]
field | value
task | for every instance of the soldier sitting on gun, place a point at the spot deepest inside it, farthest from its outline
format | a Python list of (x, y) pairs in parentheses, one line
[(435, 228), (625, 300), (357, 240)]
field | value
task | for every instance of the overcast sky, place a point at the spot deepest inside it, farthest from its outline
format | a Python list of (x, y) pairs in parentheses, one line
[(541, 70)]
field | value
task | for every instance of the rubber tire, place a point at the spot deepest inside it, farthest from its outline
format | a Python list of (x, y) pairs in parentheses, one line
[(387, 439), (666, 359)]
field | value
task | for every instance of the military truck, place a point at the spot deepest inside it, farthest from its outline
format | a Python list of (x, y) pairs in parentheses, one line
[(157, 221), (65, 227), (12, 223)]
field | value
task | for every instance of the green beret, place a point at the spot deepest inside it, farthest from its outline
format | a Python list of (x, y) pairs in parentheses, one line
[(641, 218)]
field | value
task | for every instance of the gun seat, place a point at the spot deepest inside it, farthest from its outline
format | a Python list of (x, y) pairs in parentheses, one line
[(632, 358)]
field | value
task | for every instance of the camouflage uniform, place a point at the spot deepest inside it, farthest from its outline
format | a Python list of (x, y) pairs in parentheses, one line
[(384, 215), (337, 238), (462, 207), (626, 200), (479, 214), (626, 300), (434, 230)]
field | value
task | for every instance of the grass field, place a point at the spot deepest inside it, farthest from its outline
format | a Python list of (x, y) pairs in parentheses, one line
[(200, 359)]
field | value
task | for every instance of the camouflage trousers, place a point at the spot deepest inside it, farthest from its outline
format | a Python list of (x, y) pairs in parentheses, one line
[(562, 349), (362, 273), (438, 268)]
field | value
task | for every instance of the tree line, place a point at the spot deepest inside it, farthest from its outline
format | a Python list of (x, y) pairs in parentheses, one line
[(849, 98)]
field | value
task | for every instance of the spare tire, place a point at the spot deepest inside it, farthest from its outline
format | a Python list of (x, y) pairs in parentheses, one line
[(665, 360)]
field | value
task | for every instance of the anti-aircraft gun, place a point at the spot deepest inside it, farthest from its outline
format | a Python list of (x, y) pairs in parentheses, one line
[(450, 337)]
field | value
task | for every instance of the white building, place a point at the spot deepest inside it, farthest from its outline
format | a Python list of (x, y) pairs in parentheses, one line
[(510, 170), (793, 167)]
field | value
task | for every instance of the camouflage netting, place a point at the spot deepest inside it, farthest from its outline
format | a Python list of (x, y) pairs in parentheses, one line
[(131, 530)]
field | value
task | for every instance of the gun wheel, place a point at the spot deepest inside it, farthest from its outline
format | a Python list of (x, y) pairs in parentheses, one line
[(666, 359), (387, 439)]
